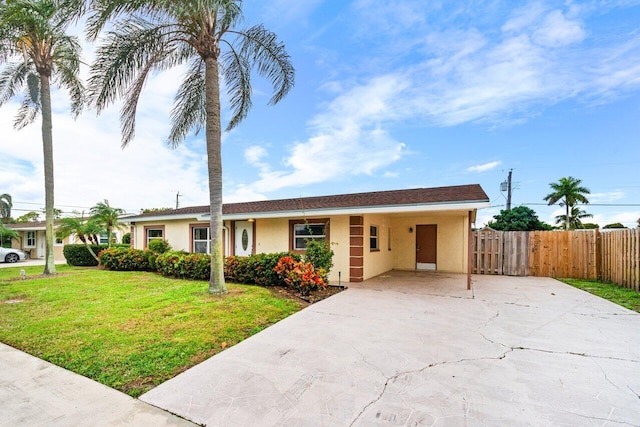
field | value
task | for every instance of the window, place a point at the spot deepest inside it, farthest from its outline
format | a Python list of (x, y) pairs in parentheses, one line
[(303, 231), (154, 234), (58, 241), (103, 239), (373, 238), (201, 240), (31, 239)]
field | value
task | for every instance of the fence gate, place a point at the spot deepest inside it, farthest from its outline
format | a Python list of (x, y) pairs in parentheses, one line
[(516, 253)]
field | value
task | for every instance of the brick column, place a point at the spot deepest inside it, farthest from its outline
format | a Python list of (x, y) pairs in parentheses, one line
[(356, 248)]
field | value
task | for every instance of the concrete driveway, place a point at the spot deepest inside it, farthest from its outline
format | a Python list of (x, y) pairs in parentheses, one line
[(418, 349)]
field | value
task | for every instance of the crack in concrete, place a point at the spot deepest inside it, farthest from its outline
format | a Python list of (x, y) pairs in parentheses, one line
[(600, 418), (572, 353)]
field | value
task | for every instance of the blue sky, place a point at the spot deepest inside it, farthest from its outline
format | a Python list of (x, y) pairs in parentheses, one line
[(388, 95)]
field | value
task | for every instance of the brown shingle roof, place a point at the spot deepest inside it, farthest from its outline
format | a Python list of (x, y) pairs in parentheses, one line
[(415, 196)]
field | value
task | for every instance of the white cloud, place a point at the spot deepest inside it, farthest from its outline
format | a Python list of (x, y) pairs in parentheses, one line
[(484, 167), (606, 197), (556, 30), (254, 154)]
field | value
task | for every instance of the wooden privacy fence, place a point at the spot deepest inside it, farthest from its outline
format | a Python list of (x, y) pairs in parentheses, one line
[(588, 254)]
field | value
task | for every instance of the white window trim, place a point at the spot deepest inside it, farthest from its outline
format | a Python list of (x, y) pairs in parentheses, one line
[(207, 241), (154, 238), (26, 239), (373, 237)]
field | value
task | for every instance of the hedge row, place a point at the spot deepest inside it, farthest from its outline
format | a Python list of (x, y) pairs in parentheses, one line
[(79, 255), (255, 269)]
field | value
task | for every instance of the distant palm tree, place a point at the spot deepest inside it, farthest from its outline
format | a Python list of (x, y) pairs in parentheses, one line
[(107, 217), (575, 218), (85, 230), (33, 33), (568, 192), (6, 204), (160, 34)]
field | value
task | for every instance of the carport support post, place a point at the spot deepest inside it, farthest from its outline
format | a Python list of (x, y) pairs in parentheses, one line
[(469, 253)]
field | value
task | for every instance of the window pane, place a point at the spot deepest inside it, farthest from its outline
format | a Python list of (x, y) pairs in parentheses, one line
[(309, 229), (201, 233), (373, 243), (154, 234), (301, 243), (373, 230), (201, 247)]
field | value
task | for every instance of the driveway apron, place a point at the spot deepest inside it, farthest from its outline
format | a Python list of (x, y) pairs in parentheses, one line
[(411, 348)]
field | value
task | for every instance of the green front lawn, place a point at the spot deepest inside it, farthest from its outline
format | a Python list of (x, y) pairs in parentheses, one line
[(128, 330), (628, 298)]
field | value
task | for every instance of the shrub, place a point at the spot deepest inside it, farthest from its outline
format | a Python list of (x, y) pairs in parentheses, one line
[(126, 239), (300, 275), (255, 269), (184, 265), (78, 254), (127, 259), (159, 246), (320, 255)]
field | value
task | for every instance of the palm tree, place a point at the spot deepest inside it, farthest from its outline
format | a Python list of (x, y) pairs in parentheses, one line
[(6, 204), (568, 192), (32, 33), (106, 217), (6, 234), (160, 34), (575, 218), (86, 230)]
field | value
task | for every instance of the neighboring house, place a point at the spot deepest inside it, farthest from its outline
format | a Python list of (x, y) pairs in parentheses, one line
[(32, 240), (370, 233)]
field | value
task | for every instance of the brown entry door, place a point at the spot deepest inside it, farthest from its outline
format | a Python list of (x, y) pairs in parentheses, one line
[(426, 244)]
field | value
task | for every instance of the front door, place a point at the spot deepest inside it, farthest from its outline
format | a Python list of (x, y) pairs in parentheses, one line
[(244, 238), (40, 241), (426, 245)]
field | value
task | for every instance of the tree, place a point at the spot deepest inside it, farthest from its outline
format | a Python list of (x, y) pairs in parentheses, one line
[(29, 217), (568, 192), (33, 33), (614, 225), (6, 204), (6, 234), (86, 230), (589, 226), (520, 218), (574, 218), (160, 34), (107, 217), (154, 210)]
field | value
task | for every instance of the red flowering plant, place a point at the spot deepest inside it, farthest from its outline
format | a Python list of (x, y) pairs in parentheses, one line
[(300, 275)]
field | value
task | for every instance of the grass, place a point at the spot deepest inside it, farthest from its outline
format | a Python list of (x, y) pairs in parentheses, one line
[(128, 330), (627, 298)]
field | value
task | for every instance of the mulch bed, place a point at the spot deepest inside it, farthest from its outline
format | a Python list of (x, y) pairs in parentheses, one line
[(312, 298)]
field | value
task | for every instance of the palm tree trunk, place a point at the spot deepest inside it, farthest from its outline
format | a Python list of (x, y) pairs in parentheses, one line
[(214, 164), (567, 219), (47, 146)]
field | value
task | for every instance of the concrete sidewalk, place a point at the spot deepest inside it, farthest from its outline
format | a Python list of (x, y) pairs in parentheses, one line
[(418, 349), (36, 393)]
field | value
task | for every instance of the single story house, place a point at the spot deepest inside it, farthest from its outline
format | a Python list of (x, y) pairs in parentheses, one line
[(370, 233), (31, 239)]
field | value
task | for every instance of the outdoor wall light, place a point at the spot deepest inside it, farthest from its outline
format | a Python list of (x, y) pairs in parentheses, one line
[(410, 229), (251, 220)]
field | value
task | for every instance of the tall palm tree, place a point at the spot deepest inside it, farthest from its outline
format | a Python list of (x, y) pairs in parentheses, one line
[(159, 34), (569, 192), (6, 203), (107, 217), (575, 218), (35, 51)]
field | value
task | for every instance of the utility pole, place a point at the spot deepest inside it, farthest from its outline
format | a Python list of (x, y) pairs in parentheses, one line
[(178, 199), (509, 190)]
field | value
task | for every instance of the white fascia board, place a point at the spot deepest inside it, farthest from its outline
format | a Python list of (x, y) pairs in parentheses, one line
[(194, 217), (28, 228), (435, 207)]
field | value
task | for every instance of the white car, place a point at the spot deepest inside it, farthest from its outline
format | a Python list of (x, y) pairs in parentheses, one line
[(11, 255)]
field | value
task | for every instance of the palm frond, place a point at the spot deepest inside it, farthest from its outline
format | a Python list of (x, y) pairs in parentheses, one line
[(12, 79), (67, 62), (26, 114), (263, 50), (189, 110), (237, 74)]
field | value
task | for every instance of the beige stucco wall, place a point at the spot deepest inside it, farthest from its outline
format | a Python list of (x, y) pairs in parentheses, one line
[(380, 261), (272, 235), (451, 246)]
